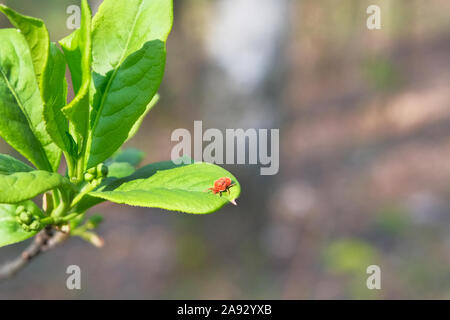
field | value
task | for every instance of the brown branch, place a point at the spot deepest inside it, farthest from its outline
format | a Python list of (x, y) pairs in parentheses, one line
[(44, 240)]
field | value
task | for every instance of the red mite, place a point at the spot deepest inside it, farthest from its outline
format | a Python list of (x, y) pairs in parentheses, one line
[(222, 185)]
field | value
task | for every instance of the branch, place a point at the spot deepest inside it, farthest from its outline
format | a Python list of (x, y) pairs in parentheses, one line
[(44, 240)]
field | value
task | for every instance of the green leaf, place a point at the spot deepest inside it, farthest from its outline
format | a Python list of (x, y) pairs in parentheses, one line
[(122, 27), (128, 64), (54, 94), (9, 164), (20, 186), (150, 169), (179, 188), (37, 38), (21, 107), (10, 230), (120, 170), (130, 155), (36, 35), (77, 50), (138, 123)]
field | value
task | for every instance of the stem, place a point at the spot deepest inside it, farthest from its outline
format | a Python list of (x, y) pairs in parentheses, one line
[(70, 164), (63, 203), (59, 220), (68, 217), (89, 237), (47, 220), (56, 199), (81, 161), (80, 169), (85, 190), (45, 240)]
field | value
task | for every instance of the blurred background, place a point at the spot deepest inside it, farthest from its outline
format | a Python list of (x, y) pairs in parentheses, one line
[(364, 119)]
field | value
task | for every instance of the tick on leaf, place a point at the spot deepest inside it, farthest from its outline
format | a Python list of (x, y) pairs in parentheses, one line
[(222, 185)]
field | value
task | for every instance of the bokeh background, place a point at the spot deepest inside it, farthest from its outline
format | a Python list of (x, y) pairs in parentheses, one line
[(364, 119)]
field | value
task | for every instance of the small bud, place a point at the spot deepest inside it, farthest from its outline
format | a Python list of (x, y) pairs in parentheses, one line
[(26, 217), (88, 177), (94, 221), (102, 170), (97, 241), (20, 209), (92, 171), (35, 225)]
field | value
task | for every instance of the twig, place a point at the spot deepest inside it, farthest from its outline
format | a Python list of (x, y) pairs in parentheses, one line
[(44, 240)]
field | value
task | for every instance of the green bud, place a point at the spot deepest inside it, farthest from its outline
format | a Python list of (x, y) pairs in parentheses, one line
[(97, 173), (26, 217), (102, 170), (19, 210), (27, 220), (92, 171), (89, 177), (35, 225)]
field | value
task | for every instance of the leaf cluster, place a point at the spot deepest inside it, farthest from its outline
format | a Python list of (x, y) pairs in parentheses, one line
[(116, 61)]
